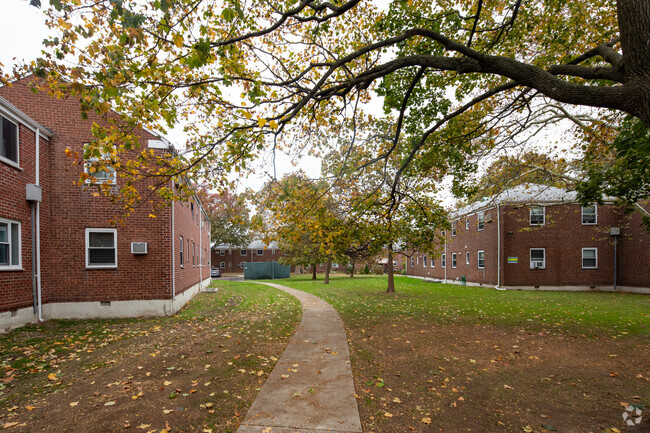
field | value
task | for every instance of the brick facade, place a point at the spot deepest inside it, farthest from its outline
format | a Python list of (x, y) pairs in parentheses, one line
[(507, 238), (230, 259), (68, 210)]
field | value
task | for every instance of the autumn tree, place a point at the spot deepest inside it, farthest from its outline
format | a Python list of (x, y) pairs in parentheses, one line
[(229, 217), (456, 77)]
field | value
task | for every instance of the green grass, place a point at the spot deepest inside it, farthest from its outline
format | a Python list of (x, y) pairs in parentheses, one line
[(363, 300)]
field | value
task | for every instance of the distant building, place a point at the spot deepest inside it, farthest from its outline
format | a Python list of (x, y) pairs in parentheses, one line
[(60, 257), (230, 258), (535, 237)]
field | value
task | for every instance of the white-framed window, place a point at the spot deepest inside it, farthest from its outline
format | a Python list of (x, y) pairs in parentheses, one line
[(417, 259), (188, 252), (537, 258), (230, 264), (467, 223), (467, 257), (192, 208), (424, 261), (480, 221), (243, 253), (412, 261), (590, 258), (9, 147), (222, 252), (481, 259), (453, 260), (181, 251), (98, 176), (273, 251), (101, 248), (433, 262), (230, 252), (10, 245), (241, 265), (193, 254), (453, 228), (443, 260), (537, 215), (222, 265), (260, 252), (589, 215)]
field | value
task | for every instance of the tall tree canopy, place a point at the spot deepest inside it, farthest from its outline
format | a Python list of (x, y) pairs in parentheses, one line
[(457, 77)]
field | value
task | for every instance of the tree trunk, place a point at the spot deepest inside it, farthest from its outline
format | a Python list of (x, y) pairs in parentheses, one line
[(352, 271), (391, 279), (313, 271), (634, 25), (328, 266)]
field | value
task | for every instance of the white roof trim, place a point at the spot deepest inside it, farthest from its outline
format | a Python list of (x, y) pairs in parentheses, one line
[(10, 111)]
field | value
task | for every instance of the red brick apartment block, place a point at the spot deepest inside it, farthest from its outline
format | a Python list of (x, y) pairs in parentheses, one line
[(533, 237), (231, 258), (60, 257)]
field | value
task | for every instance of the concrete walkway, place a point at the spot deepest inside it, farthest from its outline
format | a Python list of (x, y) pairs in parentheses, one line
[(310, 390)]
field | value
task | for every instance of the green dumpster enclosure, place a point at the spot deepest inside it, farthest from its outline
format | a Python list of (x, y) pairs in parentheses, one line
[(265, 270)]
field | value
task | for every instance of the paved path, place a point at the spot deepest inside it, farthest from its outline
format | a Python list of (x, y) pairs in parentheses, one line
[(310, 390)]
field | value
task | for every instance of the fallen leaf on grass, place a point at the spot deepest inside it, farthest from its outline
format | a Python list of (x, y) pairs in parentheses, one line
[(527, 429), (507, 386), (549, 427), (74, 403), (52, 376), (109, 403), (9, 425), (426, 420), (397, 400), (30, 407), (388, 414), (167, 382), (144, 426)]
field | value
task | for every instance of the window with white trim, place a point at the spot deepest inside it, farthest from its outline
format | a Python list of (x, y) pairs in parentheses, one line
[(417, 259), (181, 252), (467, 223), (443, 260), (537, 258), (193, 254), (243, 253), (589, 215), (467, 257), (260, 252), (222, 252), (230, 264), (101, 248), (9, 244), (222, 265), (188, 252), (481, 259), (453, 228), (537, 215), (105, 174), (453, 260), (590, 258), (480, 221), (424, 261), (433, 262), (9, 148), (412, 260), (273, 251)]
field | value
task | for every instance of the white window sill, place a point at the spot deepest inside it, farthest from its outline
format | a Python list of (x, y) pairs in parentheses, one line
[(11, 163), (10, 269), (101, 267)]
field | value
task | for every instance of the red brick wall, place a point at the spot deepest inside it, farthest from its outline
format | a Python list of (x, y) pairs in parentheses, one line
[(195, 229), (562, 236), (233, 258), (17, 284), (65, 277)]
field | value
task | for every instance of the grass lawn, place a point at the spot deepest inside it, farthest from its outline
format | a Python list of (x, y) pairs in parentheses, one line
[(198, 371), (436, 357)]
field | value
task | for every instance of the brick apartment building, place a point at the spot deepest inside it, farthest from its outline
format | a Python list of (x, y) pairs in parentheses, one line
[(59, 255), (229, 258), (533, 237)]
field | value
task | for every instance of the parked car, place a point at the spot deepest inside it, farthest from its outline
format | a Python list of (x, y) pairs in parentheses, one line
[(215, 273)]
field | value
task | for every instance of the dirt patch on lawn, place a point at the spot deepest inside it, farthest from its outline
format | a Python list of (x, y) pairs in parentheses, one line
[(413, 376), (196, 375)]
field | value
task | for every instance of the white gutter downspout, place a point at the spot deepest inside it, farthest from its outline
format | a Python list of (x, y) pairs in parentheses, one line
[(200, 217), (498, 286), (173, 253), (446, 257), (38, 231)]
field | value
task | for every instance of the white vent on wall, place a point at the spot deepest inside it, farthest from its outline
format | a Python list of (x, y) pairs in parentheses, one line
[(488, 217), (139, 248)]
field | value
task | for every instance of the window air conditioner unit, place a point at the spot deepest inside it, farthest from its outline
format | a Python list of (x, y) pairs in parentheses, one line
[(538, 265), (488, 217), (139, 248)]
